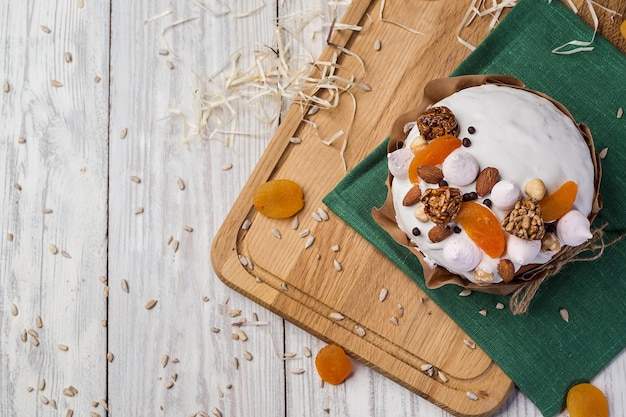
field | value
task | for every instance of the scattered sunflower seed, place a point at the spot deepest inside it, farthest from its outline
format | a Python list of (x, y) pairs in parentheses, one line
[(295, 140), (336, 316), (276, 233), (53, 249), (337, 265), (304, 233), (377, 45), (465, 293), (602, 154), (295, 223), (313, 110), (215, 329), (123, 133), (135, 179), (69, 413), (297, 371), (97, 79), (365, 87), (471, 396), (64, 348), (44, 400), (21, 140), (216, 412), (284, 286), (56, 83), (169, 384), (316, 216), (620, 113), (139, 210), (68, 57), (45, 28), (150, 304), (483, 312), (247, 355), (309, 242), (164, 360), (38, 321), (175, 245), (104, 404), (322, 213), (65, 254), (6, 87), (394, 320), (335, 248), (124, 285), (564, 314), (306, 352), (500, 306), (169, 64), (33, 333), (14, 310), (383, 294), (235, 362), (46, 210), (180, 183), (442, 377), (42, 384), (164, 52), (425, 367), (34, 341), (359, 331), (234, 313), (469, 344), (246, 224), (53, 403), (227, 166), (24, 336)]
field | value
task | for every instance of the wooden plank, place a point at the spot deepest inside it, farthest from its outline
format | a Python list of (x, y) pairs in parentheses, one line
[(181, 323), (54, 192)]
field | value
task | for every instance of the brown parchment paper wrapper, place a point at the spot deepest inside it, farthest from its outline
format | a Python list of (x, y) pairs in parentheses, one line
[(385, 216)]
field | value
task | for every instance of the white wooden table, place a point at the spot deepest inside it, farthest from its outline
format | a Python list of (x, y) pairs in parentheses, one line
[(103, 209)]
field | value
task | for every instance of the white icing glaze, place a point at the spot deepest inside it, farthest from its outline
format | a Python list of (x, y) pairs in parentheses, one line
[(460, 168), (524, 136)]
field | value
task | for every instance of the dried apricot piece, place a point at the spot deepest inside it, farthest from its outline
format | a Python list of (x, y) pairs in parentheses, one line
[(278, 199), (433, 154), (482, 226), (333, 365), (555, 205), (586, 400)]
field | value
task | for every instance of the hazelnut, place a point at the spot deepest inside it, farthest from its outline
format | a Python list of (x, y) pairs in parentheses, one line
[(418, 144), (420, 214), (535, 189)]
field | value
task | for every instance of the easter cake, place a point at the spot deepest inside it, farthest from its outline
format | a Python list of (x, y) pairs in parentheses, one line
[(491, 181)]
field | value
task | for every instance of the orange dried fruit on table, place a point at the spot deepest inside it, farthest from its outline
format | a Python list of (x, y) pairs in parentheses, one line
[(433, 153), (482, 226), (278, 199), (586, 400), (555, 205), (333, 365)]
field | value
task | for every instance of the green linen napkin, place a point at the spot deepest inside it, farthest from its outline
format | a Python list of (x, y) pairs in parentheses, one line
[(541, 353)]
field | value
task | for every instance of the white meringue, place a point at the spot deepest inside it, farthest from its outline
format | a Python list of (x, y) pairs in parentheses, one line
[(505, 194), (573, 228), (522, 251), (399, 161), (460, 168), (461, 254)]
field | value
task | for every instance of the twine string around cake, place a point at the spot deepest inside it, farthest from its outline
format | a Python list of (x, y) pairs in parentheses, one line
[(522, 296)]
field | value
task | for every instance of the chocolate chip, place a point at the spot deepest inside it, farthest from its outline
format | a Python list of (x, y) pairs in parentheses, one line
[(471, 130), (467, 142), (470, 196), (456, 229), (416, 231), (487, 202), (443, 183)]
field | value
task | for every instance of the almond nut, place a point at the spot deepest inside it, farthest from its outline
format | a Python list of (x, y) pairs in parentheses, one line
[(439, 233), (506, 269), (430, 174), (412, 196), (487, 178)]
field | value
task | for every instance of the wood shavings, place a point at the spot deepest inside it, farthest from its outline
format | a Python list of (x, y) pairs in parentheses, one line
[(224, 8), (250, 12), (172, 26), (157, 16), (580, 46), (400, 25), (477, 9)]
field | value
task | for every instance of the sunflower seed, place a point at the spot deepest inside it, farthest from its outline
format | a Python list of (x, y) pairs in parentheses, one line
[(68, 57), (24, 336), (400, 311), (564, 314), (322, 213), (6, 87), (65, 254), (16, 185), (337, 265), (500, 306), (234, 313), (309, 242), (45, 28), (383, 294), (359, 331), (425, 367), (295, 140), (306, 352), (336, 316), (247, 355), (620, 113), (442, 377), (34, 341), (216, 412), (38, 321), (97, 79), (164, 360), (246, 224), (235, 361), (313, 110), (53, 249), (44, 400), (465, 293), (164, 52), (469, 344), (33, 333), (135, 179), (242, 335), (56, 83), (377, 45), (284, 286), (215, 329), (104, 404), (483, 312), (471, 396), (169, 384), (276, 233), (169, 64), (139, 210), (243, 260), (53, 403), (335, 248), (394, 320), (365, 87), (295, 222), (69, 413), (124, 285), (42, 384), (316, 216), (14, 310), (297, 371), (304, 233), (227, 166), (94, 414), (64, 348), (150, 304), (175, 246)]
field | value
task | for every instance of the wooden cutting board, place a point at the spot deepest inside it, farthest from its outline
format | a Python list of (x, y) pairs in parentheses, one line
[(303, 285)]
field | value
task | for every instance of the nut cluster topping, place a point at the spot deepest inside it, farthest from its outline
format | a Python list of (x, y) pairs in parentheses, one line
[(524, 220), (442, 204), (437, 121)]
